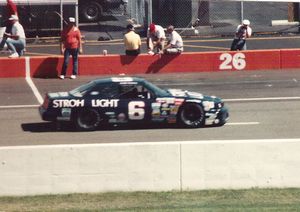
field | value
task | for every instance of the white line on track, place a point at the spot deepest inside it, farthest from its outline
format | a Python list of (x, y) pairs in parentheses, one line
[(225, 83), (18, 106), (241, 123), (30, 82), (262, 99)]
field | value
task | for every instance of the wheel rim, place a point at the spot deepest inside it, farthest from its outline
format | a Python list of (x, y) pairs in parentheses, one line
[(192, 115), (92, 12), (88, 119)]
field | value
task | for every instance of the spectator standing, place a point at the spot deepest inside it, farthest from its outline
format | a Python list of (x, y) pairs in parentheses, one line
[(155, 39), (11, 9), (16, 40), (175, 43), (125, 4), (132, 41), (243, 32), (71, 44)]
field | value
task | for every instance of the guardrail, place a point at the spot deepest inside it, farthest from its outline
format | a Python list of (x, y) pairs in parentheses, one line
[(49, 67), (157, 166)]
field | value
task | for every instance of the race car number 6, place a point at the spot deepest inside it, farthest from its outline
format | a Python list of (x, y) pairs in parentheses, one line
[(236, 61), (136, 110)]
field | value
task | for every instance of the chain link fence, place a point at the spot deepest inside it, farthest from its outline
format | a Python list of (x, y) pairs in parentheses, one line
[(191, 17), (41, 18), (212, 18), (216, 17)]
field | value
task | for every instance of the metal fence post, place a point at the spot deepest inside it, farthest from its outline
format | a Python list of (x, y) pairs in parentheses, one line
[(149, 12), (61, 15), (76, 13), (242, 11)]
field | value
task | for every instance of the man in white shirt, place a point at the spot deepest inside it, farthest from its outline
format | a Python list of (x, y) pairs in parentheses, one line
[(155, 39), (16, 40), (175, 43), (242, 32)]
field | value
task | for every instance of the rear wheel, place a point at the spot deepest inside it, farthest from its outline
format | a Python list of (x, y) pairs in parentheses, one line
[(192, 116), (87, 120), (91, 11)]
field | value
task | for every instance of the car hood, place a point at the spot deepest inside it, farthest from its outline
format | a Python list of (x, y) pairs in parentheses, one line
[(193, 95), (185, 93)]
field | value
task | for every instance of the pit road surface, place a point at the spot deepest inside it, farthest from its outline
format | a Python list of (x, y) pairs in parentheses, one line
[(262, 105)]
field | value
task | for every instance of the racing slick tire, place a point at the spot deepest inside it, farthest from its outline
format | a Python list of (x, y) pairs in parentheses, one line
[(91, 11), (191, 116), (222, 117), (87, 120)]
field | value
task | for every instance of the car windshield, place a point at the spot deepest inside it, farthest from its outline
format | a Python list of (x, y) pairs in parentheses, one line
[(81, 90), (158, 91)]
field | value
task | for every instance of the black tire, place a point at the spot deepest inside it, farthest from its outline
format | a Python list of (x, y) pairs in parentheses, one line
[(191, 115), (87, 120), (91, 11), (222, 119)]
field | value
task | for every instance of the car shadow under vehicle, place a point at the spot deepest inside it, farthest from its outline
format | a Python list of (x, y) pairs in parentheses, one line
[(45, 127)]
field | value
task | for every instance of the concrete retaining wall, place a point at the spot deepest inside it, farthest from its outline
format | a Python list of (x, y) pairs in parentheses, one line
[(155, 166), (48, 67)]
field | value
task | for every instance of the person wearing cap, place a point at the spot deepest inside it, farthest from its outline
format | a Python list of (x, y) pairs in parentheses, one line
[(175, 43), (155, 38), (132, 41), (11, 9), (242, 32), (71, 44), (16, 40)]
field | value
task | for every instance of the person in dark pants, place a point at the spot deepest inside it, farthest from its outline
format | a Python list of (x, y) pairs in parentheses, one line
[(71, 44), (132, 41), (11, 10), (243, 32)]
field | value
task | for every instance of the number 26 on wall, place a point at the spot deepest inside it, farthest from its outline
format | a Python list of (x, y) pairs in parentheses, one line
[(236, 61)]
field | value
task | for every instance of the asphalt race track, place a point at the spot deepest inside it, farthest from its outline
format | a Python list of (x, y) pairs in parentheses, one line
[(262, 105)]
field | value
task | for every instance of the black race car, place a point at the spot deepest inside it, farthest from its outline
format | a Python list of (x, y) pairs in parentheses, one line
[(125, 100)]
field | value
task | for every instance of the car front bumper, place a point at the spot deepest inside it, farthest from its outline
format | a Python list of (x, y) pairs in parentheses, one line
[(46, 115)]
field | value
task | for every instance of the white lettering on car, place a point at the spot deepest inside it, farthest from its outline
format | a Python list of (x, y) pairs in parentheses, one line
[(105, 103), (136, 110), (57, 103)]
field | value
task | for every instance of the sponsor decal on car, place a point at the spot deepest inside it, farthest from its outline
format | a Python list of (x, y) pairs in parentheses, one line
[(121, 79), (57, 103), (179, 102), (208, 105), (177, 92), (166, 100), (113, 103), (195, 95)]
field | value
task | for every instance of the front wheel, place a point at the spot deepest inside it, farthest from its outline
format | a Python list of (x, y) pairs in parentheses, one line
[(192, 116), (87, 120)]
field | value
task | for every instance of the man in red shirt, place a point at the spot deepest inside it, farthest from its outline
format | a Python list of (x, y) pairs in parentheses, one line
[(11, 9), (71, 44)]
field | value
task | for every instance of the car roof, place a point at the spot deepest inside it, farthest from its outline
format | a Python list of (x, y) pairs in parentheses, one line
[(119, 79)]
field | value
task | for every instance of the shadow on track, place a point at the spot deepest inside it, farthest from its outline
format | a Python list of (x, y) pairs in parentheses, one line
[(45, 127)]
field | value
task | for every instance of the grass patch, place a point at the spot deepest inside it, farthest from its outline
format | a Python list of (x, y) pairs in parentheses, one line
[(207, 200)]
